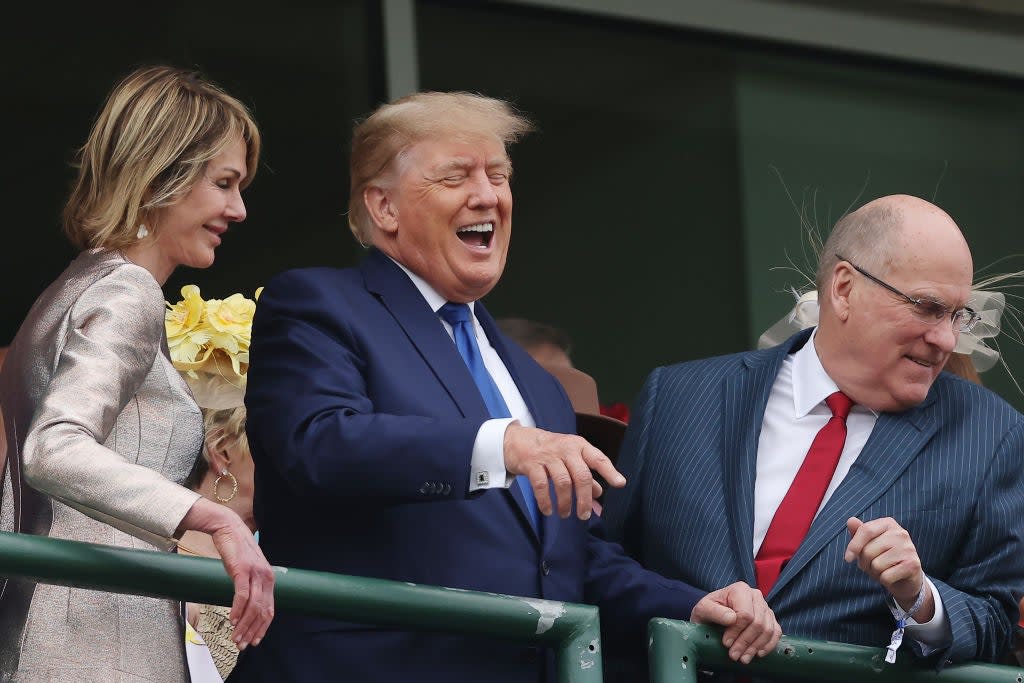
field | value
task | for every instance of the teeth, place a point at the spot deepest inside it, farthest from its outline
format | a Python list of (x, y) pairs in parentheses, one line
[(479, 227)]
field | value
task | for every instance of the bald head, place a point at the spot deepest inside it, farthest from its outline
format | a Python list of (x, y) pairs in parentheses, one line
[(885, 230), (873, 339)]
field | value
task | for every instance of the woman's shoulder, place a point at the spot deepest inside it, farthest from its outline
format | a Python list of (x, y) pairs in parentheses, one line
[(128, 292)]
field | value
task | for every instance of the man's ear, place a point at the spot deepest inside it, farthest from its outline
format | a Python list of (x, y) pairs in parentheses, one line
[(840, 289), (382, 209)]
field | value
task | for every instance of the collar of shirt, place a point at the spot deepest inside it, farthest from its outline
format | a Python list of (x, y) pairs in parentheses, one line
[(811, 384), (434, 300)]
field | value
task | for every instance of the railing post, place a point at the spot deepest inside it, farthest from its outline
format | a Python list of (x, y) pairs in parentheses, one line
[(579, 658), (671, 656)]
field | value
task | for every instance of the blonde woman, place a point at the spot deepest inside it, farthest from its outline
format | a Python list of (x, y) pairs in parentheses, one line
[(101, 430)]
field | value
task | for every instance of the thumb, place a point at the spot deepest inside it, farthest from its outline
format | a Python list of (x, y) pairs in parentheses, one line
[(709, 612), (852, 525)]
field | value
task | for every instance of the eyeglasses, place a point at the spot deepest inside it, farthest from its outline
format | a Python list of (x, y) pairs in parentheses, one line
[(927, 310)]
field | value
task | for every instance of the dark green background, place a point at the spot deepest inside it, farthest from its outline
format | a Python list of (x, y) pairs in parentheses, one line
[(662, 190)]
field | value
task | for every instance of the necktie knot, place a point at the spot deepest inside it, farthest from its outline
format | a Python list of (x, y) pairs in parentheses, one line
[(454, 313), (840, 404)]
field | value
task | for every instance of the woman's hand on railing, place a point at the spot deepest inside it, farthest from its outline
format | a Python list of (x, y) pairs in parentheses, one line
[(253, 606)]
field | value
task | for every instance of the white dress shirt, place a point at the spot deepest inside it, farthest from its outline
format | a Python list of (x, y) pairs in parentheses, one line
[(487, 466), (796, 411)]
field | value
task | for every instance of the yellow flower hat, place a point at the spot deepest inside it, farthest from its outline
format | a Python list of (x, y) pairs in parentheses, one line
[(209, 345)]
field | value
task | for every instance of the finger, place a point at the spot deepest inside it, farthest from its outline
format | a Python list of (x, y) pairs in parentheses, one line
[(249, 625), (743, 648), (773, 642), (709, 611), (769, 630), (268, 607), (852, 525), (538, 477), (745, 630), (562, 480), (242, 617), (583, 483), (596, 491), (866, 532), (599, 462)]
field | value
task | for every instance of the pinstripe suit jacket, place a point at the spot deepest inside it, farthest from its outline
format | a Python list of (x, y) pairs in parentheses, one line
[(949, 471)]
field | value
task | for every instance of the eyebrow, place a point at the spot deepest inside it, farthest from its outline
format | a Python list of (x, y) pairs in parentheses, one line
[(462, 164)]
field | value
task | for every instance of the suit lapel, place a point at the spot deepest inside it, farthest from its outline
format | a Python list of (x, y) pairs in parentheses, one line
[(895, 441), (743, 404), (549, 523), (424, 330)]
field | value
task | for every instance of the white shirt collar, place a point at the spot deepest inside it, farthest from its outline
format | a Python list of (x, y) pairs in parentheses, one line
[(434, 300), (811, 384)]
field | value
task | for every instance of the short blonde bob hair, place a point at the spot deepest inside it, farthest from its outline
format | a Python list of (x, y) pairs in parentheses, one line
[(393, 128), (149, 145)]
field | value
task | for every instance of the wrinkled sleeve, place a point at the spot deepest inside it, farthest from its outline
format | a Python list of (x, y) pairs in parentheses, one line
[(112, 336), (980, 595)]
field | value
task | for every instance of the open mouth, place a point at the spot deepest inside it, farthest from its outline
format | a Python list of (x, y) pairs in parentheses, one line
[(923, 363), (478, 236)]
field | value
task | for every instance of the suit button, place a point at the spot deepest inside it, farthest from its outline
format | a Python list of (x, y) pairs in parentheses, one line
[(544, 568)]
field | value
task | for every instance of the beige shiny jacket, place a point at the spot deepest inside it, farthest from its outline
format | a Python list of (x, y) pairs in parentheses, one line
[(101, 431)]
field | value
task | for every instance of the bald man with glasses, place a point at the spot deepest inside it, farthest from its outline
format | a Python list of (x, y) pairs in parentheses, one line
[(872, 497)]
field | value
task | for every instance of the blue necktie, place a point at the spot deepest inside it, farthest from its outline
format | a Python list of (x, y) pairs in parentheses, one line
[(460, 318)]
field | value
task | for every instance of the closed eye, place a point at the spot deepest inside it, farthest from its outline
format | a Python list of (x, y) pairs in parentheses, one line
[(932, 309)]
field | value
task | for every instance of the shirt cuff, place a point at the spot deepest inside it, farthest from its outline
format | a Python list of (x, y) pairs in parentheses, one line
[(487, 466), (935, 634)]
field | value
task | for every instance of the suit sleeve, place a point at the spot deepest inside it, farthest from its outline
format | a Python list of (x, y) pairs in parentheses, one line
[(113, 335), (622, 514), (630, 595), (313, 418), (981, 594)]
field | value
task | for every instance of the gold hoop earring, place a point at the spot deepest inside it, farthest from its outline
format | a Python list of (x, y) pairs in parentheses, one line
[(234, 486)]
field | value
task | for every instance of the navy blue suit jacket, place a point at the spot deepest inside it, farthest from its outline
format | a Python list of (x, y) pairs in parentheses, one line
[(361, 419), (950, 471)]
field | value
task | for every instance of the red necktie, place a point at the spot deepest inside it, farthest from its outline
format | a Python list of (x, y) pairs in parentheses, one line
[(797, 510)]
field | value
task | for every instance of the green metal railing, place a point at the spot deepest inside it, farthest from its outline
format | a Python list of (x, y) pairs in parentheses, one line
[(679, 649), (571, 629)]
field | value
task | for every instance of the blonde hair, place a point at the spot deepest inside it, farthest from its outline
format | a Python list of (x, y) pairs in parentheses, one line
[(156, 132), (392, 128), (225, 428)]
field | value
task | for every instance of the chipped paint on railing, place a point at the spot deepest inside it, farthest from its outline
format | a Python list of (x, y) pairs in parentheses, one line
[(550, 610)]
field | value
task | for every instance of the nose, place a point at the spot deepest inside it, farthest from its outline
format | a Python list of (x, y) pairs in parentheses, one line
[(942, 335), (482, 194), (235, 210)]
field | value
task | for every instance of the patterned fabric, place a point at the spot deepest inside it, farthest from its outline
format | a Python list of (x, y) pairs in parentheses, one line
[(101, 429), (948, 471), (217, 630)]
